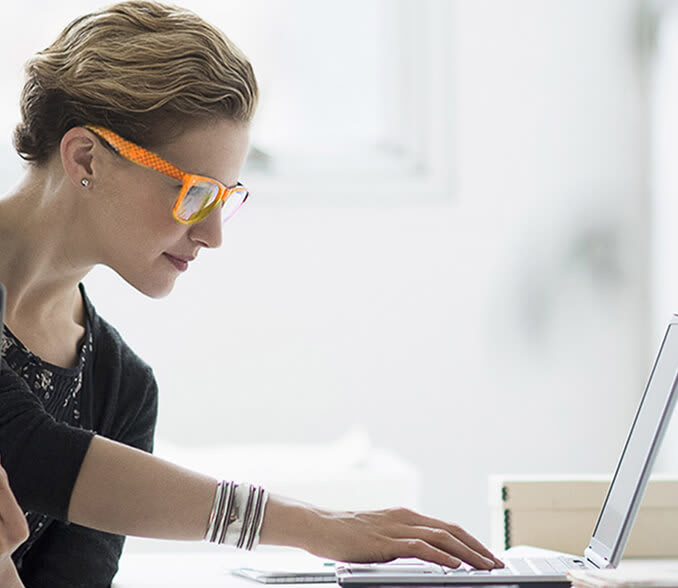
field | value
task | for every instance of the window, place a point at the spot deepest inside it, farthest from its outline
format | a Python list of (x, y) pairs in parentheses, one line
[(355, 95)]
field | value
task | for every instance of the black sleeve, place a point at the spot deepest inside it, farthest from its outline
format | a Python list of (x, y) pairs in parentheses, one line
[(125, 391), (68, 555), (38, 452), (136, 425)]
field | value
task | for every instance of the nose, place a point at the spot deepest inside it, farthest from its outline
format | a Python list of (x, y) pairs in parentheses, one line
[(208, 231)]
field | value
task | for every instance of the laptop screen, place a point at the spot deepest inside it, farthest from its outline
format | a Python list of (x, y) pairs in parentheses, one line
[(630, 479)]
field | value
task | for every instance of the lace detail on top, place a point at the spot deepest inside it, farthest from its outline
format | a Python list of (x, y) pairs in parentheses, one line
[(57, 387)]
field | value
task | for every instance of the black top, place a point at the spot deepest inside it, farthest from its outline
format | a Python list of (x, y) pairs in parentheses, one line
[(48, 416)]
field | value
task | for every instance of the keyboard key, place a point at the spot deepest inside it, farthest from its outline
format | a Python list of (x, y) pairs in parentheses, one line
[(542, 566), (519, 566), (462, 569)]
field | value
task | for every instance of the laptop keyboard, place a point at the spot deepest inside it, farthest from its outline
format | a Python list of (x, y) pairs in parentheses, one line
[(525, 567)]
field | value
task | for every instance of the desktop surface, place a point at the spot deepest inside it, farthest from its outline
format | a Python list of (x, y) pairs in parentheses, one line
[(199, 569)]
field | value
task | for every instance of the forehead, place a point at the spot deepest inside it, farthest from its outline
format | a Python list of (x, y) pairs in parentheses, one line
[(217, 149)]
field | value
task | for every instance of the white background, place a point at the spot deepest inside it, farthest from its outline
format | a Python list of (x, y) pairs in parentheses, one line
[(505, 328)]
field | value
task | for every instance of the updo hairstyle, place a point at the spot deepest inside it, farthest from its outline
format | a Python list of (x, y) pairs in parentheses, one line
[(142, 69)]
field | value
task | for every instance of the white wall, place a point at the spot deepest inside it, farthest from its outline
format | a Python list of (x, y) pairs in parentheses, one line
[(505, 331), (664, 241)]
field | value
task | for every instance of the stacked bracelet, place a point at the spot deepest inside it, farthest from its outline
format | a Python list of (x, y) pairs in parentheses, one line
[(237, 514)]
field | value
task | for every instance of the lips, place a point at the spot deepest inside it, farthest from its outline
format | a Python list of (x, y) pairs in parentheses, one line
[(179, 261)]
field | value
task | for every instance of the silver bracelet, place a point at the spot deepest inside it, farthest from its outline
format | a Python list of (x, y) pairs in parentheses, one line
[(237, 515), (258, 519), (223, 512), (211, 525)]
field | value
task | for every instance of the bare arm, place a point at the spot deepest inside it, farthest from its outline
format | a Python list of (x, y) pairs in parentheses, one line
[(126, 491)]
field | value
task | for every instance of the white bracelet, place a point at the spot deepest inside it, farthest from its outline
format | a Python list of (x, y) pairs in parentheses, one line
[(237, 515), (211, 525), (255, 532)]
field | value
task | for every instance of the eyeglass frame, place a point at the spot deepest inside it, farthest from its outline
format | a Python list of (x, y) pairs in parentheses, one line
[(141, 156)]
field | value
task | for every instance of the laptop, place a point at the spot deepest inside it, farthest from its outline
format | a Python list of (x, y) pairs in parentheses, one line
[(615, 520)]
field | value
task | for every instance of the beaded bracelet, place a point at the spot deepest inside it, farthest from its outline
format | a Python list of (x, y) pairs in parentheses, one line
[(237, 514)]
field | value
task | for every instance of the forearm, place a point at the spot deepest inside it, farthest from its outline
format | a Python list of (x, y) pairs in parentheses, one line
[(129, 492), (126, 491)]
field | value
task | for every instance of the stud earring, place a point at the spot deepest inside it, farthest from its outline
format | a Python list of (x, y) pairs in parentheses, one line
[(85, 182)]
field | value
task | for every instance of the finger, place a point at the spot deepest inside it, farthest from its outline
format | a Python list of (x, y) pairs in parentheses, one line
[(422, 550), (447, 542), (473, 543), (414, 518)]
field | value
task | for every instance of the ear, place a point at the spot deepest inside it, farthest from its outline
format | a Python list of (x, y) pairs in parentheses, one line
[(77, 149)]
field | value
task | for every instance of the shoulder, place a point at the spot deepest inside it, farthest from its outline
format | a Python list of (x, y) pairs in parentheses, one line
[(110, 349), (122, 385)]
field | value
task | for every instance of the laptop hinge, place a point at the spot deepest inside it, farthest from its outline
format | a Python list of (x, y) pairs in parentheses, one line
[(596, 559)]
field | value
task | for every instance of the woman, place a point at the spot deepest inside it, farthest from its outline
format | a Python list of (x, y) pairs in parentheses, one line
[(77, 406), (13, 532)]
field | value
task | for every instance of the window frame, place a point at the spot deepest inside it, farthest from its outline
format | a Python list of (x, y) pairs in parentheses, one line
[(416, 169)]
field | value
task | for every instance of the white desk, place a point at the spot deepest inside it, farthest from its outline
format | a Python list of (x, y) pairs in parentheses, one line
[(197, 569), (187, 569)]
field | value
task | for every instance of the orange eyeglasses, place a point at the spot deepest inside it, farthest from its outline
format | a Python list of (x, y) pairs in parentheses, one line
[(199, 195)]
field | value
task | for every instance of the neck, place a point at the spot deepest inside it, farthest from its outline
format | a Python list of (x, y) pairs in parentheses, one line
[(45, 249)]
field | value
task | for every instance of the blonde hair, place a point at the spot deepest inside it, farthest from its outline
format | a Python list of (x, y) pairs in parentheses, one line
[(140, 68)]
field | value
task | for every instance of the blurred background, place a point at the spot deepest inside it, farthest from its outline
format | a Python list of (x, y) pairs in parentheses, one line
[(459, 252)]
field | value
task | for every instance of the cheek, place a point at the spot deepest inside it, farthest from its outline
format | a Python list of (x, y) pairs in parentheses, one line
[(148, 205), (137, 215)]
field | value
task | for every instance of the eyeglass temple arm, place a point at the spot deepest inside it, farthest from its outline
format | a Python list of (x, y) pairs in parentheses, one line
[(137, 154)]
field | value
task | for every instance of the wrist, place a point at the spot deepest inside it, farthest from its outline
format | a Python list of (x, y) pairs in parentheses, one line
[(292, 524)]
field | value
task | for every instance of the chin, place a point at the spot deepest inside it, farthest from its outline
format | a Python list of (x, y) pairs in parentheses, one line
[(157, 292), (151, 286)]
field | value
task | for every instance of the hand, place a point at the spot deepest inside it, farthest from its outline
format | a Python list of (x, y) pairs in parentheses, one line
[(13, 532), (374, 536), (384, 535)]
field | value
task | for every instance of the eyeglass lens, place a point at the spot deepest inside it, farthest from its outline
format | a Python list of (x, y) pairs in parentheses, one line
[(233, 203), (201, 198)]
